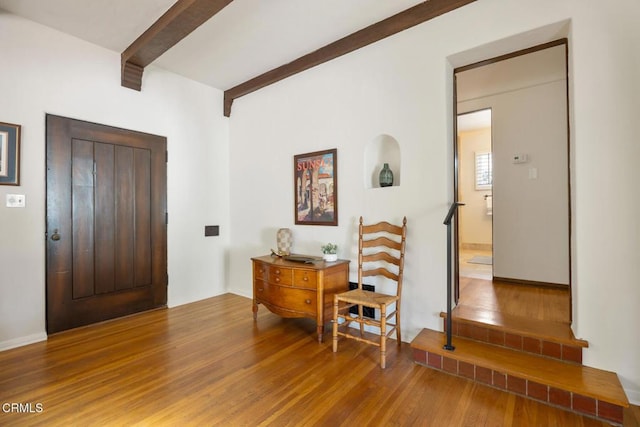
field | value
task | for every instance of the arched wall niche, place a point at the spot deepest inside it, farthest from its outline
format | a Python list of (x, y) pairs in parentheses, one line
[(380, 150)]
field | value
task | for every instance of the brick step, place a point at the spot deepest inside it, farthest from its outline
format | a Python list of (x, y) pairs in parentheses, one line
[(581, 389), (550, 339)]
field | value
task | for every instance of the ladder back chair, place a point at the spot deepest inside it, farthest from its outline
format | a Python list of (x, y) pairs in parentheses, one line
[(380, 253)]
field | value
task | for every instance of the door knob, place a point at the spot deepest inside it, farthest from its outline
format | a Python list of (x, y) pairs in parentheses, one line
[(55, 236)]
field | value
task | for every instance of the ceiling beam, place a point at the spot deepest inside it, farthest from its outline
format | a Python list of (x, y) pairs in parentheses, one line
[(177, 23), (409, 18)]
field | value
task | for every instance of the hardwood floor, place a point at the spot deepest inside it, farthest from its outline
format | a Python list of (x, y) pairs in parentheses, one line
[(208, 363), (478, 291), (531, 302)]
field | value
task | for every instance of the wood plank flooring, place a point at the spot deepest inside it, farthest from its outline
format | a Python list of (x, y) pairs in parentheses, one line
[(526, 301), (209, 364)]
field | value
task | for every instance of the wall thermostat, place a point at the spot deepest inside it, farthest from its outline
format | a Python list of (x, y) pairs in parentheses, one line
[(520, 158)]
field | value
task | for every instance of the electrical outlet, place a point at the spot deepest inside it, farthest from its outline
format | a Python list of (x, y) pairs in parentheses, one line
[(16, 200)]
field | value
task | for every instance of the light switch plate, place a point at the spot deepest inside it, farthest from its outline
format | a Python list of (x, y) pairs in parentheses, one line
[(16, 200)]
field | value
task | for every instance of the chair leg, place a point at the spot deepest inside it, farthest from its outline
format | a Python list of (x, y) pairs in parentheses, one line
[(398, 331), (360, 317), (335, 323), (383, 335)]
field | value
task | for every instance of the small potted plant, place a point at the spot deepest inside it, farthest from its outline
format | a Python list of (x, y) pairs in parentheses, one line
[(330, 251)]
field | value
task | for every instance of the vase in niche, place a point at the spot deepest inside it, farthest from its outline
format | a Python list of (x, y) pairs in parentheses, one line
[(386, 176), (284, 239)]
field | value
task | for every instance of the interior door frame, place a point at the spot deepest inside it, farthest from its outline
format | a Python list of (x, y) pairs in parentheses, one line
[(456, 255)]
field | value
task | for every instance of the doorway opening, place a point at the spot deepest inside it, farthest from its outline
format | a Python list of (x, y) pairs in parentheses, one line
[(475, 182), (512, 174)]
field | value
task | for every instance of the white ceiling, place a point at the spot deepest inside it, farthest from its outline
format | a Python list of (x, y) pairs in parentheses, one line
[(245, 39), (476, 120)]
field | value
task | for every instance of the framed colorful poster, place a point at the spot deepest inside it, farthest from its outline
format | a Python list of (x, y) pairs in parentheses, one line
[(316, 187), (9, 154)]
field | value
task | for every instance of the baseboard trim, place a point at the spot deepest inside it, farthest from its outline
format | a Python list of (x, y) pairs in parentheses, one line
[(530, 282), (477, 246), (22, 341), (633, 396), (240, 292)]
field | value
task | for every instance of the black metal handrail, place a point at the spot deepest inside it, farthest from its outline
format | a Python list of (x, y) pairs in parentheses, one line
[(447, 222)]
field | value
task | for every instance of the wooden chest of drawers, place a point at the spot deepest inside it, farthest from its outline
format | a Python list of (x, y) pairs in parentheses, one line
[(293, 289)]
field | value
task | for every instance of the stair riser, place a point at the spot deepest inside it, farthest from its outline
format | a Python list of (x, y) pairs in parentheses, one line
[(567, 400), (560, 351)]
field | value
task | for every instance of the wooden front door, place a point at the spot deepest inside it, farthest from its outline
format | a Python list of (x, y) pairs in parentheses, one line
[(106, 222)]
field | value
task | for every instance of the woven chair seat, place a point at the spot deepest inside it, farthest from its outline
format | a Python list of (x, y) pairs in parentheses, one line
[(367, 298)]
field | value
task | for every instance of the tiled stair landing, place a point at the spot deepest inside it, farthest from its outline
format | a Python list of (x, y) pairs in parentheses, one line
[(548, 339), (537, 362)]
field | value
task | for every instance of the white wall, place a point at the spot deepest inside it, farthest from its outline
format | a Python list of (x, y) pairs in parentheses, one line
[(402, 87), (527, 96), (44, 71)]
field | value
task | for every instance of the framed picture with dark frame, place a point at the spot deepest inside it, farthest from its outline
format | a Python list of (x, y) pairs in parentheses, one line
[(9, 154), (316, 187)]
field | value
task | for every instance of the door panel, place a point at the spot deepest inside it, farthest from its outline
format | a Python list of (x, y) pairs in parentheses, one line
[(124, 230), (105, 219), (142, 248), (106, 200), (82, 213)]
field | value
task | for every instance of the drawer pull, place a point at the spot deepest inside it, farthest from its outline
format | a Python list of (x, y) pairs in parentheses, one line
[(277, 271), (260, 290), (277, 279), (306, 278), (308, 301)]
